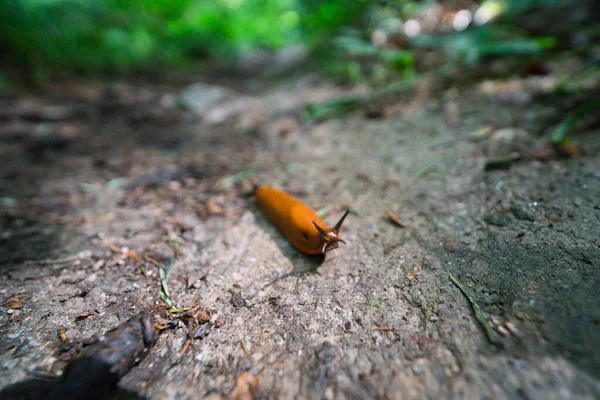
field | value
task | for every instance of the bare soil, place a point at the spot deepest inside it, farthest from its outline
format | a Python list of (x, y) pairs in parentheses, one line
[(100, 194)]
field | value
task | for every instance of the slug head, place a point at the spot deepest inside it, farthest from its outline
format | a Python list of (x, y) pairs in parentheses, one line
[(331, 238)]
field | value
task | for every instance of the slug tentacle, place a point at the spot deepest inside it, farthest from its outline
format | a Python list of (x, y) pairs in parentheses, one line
[(338, 226), (331, 238), (302, 226), (322, 231)]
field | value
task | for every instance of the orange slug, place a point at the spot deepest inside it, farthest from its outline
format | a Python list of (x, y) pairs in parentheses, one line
[(303, 228)]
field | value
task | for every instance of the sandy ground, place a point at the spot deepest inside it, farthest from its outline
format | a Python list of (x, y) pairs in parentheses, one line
[(124, 183)]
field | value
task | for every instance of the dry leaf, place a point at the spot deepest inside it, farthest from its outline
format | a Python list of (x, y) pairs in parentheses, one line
[(392, 217), (126, 252), (246, 387), (153, 261), (202, 313), (13, 302), (213, 207), (568, 149), (416, 271), (133, 254)]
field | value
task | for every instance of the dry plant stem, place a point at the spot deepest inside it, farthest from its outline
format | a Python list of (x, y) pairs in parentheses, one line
[(57, 261), (479, 316)]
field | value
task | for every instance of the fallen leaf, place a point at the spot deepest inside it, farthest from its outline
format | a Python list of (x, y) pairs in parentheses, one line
[(126, 252), (416, 271), (246, 387), (202, 313), (133, 254), (13, 302), (152, 260), (213, 207), (83, 316), (568, 149), (392, 217)]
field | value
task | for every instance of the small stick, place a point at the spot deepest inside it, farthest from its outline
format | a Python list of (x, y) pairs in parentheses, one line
[(384, 329), (186, 346), (139, 300), (65, 260), (152, 260), (479, 316), (394, 218), (244, 349), (193, 303)]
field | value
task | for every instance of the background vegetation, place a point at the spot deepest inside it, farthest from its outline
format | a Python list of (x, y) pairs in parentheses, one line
[(357, 40)]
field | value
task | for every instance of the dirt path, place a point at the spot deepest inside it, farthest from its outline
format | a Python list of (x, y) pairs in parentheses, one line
[(129, 172)]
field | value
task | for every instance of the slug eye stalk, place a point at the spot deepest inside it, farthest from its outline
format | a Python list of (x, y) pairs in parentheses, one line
[(331, 238)]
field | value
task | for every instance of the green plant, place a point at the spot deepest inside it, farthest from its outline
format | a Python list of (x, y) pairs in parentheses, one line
[(95, 36)]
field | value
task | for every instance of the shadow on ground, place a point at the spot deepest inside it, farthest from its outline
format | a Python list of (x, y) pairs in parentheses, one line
[(38, 389), (552, 290)]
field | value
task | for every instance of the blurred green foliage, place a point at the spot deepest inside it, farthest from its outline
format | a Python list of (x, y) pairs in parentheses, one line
[(322, 19), (39, 37), (94, 36), (42, 37), (471, 46)]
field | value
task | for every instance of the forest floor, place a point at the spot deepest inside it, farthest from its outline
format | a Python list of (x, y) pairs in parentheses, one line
[(103, 185)]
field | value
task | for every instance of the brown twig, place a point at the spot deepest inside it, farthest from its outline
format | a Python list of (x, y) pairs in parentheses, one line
[(244, 349), (65, 260), (386, 329)]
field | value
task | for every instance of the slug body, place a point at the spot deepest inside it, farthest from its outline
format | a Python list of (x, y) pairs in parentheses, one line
[(302, 227)]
